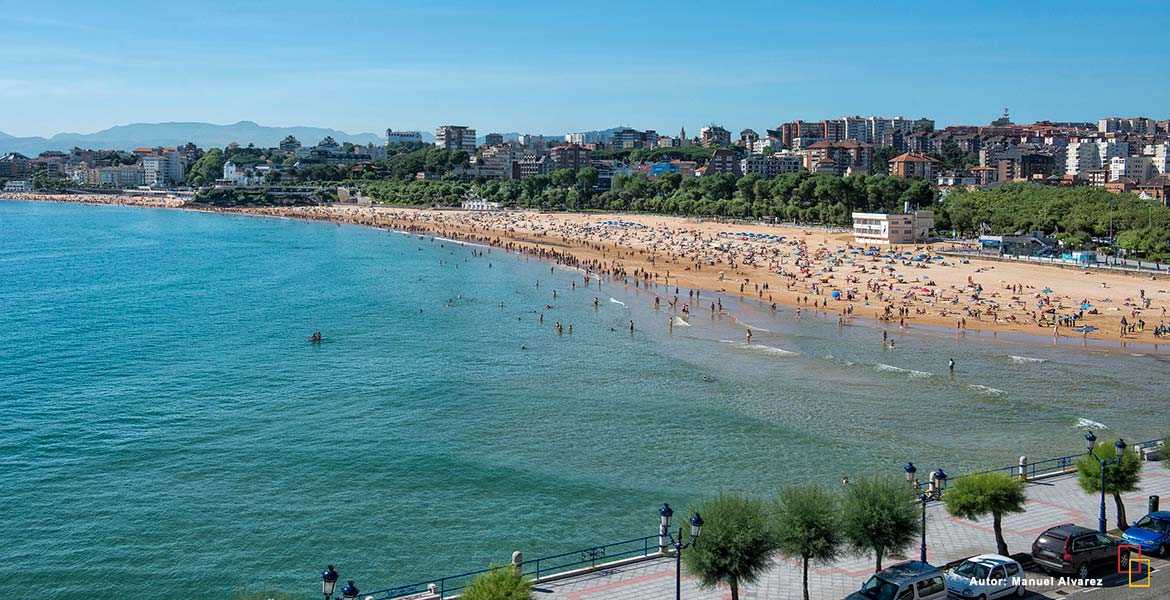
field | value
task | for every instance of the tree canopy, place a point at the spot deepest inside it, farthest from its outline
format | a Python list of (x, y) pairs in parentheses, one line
[(500, 583), (981, 494), (806, 521), (736, 544), (880, 515), (1120, 478)]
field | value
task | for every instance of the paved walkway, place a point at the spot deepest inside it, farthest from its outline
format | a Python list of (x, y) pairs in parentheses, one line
[(1050, 502)]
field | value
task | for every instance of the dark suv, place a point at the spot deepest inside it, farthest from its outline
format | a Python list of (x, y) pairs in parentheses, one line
[(1075, 550)]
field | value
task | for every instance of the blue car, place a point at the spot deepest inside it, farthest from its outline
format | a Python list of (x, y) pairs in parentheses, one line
[(1151, 532)]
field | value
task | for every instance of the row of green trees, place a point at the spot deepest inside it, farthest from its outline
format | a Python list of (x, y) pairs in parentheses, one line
[(804, 197), (1075, 214)]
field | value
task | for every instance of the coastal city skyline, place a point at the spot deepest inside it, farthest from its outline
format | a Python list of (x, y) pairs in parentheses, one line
[(416, 300), (550, 69)]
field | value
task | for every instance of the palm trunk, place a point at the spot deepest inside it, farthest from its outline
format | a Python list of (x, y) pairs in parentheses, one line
[(1122, 523), (734, 588), (806, 578), (997, 525), (878, 553)]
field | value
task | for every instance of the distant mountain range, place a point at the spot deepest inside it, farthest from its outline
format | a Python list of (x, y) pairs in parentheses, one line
[(204, 135)]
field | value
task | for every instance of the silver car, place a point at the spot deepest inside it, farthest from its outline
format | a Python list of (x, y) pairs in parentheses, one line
[(986, 577)]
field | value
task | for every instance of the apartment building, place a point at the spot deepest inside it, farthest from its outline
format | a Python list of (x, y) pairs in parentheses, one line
[(455, 137), (714, 135), (849, 156), (771, 166), (570, 156), (914, 165)]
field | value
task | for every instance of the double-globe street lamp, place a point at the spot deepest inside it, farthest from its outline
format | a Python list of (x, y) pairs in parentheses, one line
[(938, 481), (1119, 450), (666, 537), (329, 582)]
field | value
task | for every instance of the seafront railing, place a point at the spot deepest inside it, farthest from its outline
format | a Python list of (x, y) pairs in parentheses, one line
[(1050, 467), (536, 568)]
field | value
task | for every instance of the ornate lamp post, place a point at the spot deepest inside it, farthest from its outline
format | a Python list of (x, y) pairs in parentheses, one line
[(350, 591), (938, 481), (1119, 450), (328, 581), (665, 537)]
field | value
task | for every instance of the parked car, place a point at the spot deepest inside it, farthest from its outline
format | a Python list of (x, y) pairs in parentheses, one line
[(913, 580), (1151, 532), (986, 577), (1075, 550)]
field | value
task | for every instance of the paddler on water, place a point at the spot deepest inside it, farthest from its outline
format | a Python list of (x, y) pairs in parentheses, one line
[(316, 337)]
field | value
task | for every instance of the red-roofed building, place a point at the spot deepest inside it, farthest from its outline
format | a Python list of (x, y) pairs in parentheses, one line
[(913, 165), (849, 156), (570, 156)]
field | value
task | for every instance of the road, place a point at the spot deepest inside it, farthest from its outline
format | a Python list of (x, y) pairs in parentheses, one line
[(1115, 587)]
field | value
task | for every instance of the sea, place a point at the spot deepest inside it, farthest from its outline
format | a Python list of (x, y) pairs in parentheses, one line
[(166, 429)]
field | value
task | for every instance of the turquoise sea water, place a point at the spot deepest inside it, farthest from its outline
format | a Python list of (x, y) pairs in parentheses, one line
[(166, 431)]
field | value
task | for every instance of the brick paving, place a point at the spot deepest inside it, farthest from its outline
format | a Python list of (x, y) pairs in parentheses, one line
[(1050, 502)]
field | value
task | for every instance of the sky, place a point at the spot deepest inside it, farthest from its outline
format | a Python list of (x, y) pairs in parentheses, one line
[(555, 67)]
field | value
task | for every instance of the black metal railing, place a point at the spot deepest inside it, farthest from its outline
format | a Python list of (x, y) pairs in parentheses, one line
[(543, 566), (1041, 468)]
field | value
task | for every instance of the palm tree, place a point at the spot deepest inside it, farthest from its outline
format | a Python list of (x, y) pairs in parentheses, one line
[(737, 543), (1120, 478), (997, 494), (806, 521), (880, 514)]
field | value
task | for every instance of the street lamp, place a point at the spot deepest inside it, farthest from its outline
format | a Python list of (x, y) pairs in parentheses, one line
[(1119, 450), (350, 591), (664, 537), (328, 581), (938, 481)]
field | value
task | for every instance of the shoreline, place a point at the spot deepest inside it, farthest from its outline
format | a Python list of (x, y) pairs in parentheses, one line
[(666, 251)]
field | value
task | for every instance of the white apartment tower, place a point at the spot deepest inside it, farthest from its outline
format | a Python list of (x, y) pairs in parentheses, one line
[(455, 137)]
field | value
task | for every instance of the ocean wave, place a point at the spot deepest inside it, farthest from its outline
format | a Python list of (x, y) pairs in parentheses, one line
[(616, 301), (986, 391), (749, 325), (1083, 423), (761, 348), (679, 321), (1023, 360), (909, 372)]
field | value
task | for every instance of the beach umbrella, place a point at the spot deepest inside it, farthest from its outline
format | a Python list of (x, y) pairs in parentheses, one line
[(1086, 305), (836, 295)]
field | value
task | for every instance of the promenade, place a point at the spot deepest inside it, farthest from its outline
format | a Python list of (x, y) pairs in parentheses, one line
[(1051, 501)]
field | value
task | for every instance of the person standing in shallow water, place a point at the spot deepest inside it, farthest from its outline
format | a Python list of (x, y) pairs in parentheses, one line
[(951, 366)]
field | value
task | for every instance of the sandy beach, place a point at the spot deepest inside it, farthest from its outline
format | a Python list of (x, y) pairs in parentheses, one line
[(809, 269)]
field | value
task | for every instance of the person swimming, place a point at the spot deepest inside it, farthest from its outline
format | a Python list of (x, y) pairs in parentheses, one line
[(316, 337)]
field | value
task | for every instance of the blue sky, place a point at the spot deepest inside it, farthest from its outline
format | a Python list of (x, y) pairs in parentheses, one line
[(552, 67)]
